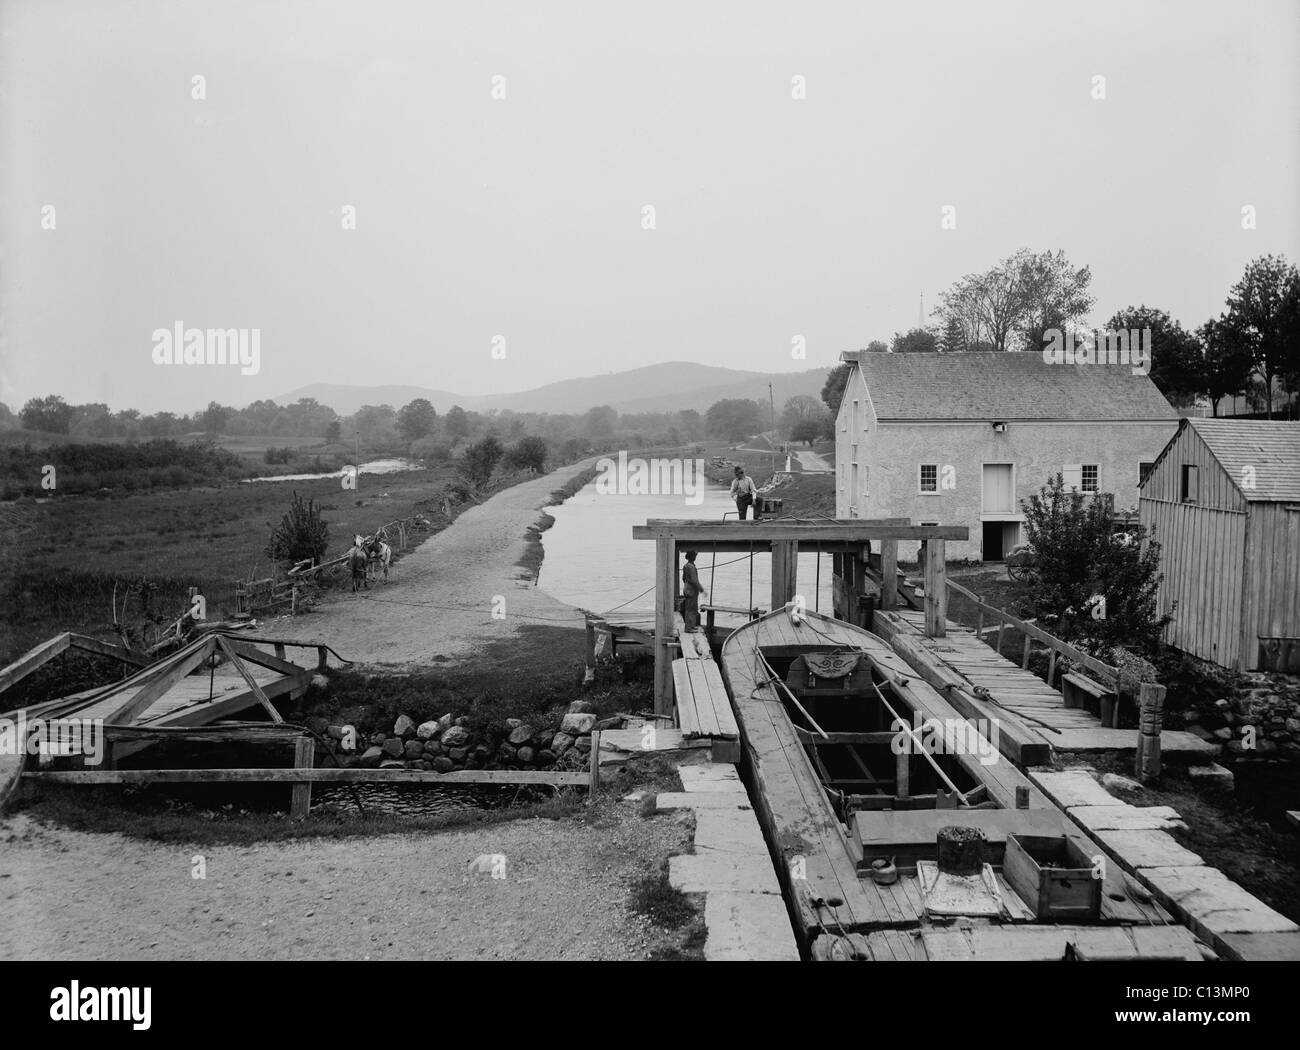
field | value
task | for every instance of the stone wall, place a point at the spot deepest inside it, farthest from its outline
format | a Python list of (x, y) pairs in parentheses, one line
[(449, 743)]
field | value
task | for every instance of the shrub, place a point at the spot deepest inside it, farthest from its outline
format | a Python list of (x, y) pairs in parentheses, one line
[(1079, 558), (300, 535), (481, 459)]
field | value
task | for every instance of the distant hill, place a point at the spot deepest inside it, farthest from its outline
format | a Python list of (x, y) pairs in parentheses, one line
[(668, 387)]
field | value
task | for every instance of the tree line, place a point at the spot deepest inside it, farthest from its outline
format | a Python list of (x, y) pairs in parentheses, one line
[(1251, 349)]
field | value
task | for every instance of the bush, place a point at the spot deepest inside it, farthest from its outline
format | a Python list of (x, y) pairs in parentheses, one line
[(1079, 559), (481, 459), (432, 449), (527, 453), (300, 535)]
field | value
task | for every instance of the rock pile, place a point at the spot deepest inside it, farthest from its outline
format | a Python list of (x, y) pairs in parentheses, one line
[(449, 743)]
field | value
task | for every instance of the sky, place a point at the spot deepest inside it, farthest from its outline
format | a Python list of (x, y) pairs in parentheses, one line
[(776, 218)]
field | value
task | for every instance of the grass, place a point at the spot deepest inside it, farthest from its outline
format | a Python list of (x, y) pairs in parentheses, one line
[(664, 905)]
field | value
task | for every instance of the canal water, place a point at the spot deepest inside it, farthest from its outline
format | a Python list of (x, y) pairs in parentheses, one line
[(377, 466), (591, 560)]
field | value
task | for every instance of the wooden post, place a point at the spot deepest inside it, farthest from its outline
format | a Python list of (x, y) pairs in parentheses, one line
[(1024, 660), (595, 764), (902, 774), (889, 574), (322, 660), (936, 590), (1051, 667), (1151, 714), (665, 560), (279, 650), (1022, 797), (785, 566), (304, 757), (1002, 626)]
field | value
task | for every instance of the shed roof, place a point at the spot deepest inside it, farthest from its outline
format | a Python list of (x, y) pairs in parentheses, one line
[(1005, 386), (1270, 448)]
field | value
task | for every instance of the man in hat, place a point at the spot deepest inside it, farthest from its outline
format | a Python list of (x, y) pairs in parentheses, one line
[(743, 492), (691, 593)]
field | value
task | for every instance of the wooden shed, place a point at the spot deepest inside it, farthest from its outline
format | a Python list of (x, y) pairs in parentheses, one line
[(1223, 501)]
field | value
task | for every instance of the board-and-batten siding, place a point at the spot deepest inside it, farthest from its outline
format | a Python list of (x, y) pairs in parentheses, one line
[(1202, 552), (1272, 577)]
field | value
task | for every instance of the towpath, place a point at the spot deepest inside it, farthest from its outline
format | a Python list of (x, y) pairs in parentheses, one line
[(439, 601)]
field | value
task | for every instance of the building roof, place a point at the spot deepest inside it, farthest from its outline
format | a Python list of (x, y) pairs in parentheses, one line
[(1270, 448), (1007, 387)]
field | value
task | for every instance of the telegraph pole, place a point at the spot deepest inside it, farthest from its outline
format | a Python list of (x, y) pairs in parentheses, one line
[(772, 404)]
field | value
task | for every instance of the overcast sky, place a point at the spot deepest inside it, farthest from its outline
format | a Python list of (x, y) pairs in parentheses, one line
[(775, 216)]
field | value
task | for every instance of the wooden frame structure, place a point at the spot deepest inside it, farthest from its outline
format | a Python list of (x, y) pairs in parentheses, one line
[(784, 539)]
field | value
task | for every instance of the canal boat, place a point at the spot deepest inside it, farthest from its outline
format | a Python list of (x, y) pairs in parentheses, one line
[(897, 828)]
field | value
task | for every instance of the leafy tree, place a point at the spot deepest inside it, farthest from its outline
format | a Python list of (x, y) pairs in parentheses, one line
[(481, 459), (1177, 357), (8, 421), (1078, 558), (51, 414), (799, 409), (877, 346), (300, 535), (417, 419), (807, 430), (456, 424), (333, 432), (528, 453), (734, 418), (1053, 295), (598, 423), (1226, 361), (833, 388), (214, 418), (1264, 306), (916, 341)]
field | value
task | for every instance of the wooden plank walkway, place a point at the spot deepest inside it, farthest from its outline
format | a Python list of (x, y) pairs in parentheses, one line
[(1003, 686)]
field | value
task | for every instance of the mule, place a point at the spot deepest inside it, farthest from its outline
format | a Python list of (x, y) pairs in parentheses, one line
[(357, 563), (381, 555)]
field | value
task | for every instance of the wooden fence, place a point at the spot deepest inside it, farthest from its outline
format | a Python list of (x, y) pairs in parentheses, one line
[(1105, 672), (281, 592)]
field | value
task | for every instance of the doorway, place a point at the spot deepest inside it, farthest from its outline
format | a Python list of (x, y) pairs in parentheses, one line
[(993, 549)]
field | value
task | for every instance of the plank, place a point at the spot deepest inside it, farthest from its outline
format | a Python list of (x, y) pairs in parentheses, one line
[(688, 719), (707, 720), (1124, 741), (33, 659), (1137, 849)]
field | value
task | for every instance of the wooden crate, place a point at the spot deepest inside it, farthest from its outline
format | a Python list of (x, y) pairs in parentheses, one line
[(1054, 877)]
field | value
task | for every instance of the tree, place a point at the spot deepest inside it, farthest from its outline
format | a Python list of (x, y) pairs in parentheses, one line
[(456, 424), (877, 346), (734, 418), (807, 430), (916, 341), (1054, 295), (8, 421), (416, 419), (952, 340), (214, 418), (481, 459), (301, 534), (1177, 356), (799, 409), (333, 432), (528, 453), (1014, 302), (1226, 361), (598, 423), (1263, 307), (833, 388), (1079, 559), (51, 414)]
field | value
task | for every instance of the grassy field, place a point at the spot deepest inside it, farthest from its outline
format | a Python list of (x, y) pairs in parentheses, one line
[(75, 548)]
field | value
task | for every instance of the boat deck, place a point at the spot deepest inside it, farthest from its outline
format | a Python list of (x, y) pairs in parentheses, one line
[(816, 856)]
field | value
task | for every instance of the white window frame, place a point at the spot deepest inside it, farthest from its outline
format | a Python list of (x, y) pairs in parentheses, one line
[(920, 479), (1096, 478)]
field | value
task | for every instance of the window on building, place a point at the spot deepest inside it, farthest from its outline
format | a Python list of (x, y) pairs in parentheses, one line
[(929, 477), (1089, 478), (1191, 484), (1143, 470)]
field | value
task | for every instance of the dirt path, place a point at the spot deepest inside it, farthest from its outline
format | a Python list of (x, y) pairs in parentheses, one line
[(72, 895), (813, 461), (440, 597)]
